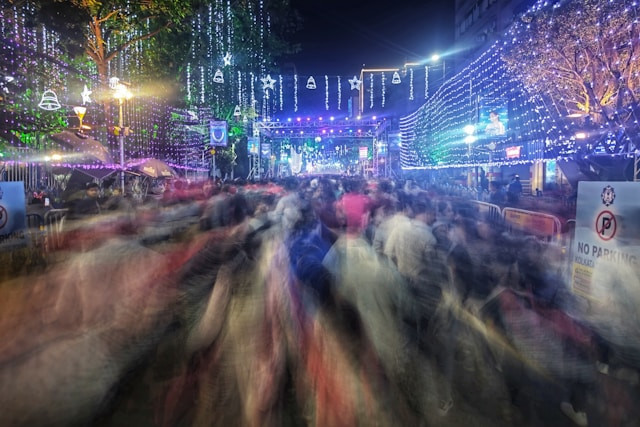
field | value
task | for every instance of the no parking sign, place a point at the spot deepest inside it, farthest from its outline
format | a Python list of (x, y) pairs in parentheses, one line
[(12, 208), (607, 236)]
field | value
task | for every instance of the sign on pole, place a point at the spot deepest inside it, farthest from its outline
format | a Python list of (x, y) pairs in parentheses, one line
[(12, 210), (606, 246), (218, 134)]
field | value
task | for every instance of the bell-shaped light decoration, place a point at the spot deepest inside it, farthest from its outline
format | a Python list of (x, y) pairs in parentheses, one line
[(49, 101), (218, 77), (311, 83), (237, 112), (396, 78), (113, 83)]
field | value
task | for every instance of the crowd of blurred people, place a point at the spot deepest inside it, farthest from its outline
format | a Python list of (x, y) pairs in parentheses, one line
[(326, 301)]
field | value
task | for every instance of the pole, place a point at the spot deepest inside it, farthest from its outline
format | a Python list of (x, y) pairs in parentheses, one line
[(213, 162), (121, 142)]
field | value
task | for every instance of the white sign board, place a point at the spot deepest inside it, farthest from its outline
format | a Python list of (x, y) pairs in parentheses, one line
[(12, 208), (606, 246)]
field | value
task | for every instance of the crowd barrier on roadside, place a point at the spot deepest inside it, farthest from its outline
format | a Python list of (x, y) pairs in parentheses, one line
[(488, 210), (53, 223), (544, 226)]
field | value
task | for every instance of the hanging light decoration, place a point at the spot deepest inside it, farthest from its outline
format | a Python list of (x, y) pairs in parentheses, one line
[(396, 78), (311, 83), (218, 77), (113, 83), (49, 101), (237, 112)]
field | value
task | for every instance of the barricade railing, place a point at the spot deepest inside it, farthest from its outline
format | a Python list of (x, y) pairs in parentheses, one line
[(53, 224), (35, 228), (539, 224), (491, 212)]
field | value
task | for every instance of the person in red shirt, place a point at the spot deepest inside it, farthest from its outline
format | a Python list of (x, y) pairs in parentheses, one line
[(354, 207)]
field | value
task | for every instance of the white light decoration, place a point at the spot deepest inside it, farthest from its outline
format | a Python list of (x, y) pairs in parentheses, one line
[(253, 90), (396, 78), (226, 59), (384, 88), (280, 90), (268, 82), (49, 101), (295, 93), (411, 84), (371, 91), (218, 77), (326, 92), (86, 95), (202, 87), (113, 83), (426, 82), (237, 112), (311, 83), (239, 88), (339, 93), (188, 82), (355, 83)]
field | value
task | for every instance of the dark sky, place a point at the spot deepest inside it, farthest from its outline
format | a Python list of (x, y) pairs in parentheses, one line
[(339, 36)]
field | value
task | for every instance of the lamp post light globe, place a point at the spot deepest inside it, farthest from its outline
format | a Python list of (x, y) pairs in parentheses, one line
[(121, 94)]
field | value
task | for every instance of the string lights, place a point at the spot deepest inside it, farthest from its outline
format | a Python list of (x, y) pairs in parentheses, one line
[(339, 93), (538, 128), (326, 92)]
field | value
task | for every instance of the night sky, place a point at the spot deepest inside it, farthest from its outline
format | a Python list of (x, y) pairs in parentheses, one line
[(338, 37)]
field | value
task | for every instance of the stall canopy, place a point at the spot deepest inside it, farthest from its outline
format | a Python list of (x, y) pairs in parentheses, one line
[(79, 149), (153, 168), (84, 154)]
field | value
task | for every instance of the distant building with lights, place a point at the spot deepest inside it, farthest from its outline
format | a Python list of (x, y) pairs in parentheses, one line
[(479, 23)]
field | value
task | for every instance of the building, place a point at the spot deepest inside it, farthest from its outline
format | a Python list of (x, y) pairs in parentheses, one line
[(479, 23)]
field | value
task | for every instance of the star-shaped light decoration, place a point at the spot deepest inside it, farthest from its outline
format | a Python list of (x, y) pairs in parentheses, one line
[(226, 59), (355, 83), (86, 95), (268, 82)]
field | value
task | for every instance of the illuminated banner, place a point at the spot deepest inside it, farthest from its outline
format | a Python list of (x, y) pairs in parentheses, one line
[(218, 133), (493, 118), (513, 152), (12, 208), (265, 149), (363, 153), (606, 247), (253, 145)]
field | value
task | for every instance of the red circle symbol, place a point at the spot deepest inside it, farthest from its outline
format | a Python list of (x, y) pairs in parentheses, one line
[(606, 225), (4, 217)]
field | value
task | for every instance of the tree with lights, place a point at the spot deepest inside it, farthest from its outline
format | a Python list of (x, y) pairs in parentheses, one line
[(582, 57), (104, 30)]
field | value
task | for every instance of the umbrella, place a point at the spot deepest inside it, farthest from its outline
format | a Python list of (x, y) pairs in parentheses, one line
[(83, 148), (153, 168)]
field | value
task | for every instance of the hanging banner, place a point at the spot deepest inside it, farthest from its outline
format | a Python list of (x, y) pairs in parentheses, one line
[(218, 133), (253, 145), (12, 210), (265, 149), (605, 253), (363, 153)]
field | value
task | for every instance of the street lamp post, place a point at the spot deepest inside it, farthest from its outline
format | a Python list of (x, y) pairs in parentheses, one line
[(121, 93)]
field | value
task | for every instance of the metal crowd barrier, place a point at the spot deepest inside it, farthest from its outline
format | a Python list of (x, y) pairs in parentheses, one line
[(539, 224), (53, 225), (488, 210)]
